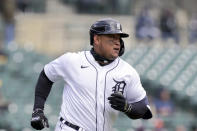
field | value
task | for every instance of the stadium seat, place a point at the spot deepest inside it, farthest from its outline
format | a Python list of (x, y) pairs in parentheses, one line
[(136, 54)]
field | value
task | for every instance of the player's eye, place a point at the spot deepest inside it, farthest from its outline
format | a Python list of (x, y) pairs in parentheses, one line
[(111, 41)]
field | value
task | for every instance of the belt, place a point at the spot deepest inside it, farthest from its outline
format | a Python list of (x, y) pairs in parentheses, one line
[(70, 124)]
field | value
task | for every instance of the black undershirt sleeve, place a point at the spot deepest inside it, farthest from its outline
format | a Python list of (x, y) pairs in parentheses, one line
[(42, 90), (140, 110)]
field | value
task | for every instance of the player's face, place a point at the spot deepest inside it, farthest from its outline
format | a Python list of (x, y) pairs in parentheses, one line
[(108, 46)]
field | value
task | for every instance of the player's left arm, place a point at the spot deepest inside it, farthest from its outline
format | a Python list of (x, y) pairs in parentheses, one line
[(135, 102), (135, 110), (140, 109)]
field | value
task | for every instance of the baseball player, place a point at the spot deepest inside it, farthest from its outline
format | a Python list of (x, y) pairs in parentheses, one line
[(98, 84)]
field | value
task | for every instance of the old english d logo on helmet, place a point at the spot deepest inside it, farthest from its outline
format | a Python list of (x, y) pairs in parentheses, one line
[(118, 26)]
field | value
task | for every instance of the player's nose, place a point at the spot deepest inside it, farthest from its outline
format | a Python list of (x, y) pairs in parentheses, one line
[(117, 44)]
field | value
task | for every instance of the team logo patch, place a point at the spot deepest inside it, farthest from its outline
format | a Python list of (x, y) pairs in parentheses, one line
[(119, 86), (118, 26)]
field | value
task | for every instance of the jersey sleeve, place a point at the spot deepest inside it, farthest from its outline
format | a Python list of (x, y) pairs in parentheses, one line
[(56, 69), (135, 92)]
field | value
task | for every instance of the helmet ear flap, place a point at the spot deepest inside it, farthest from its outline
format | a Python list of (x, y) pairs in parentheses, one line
[(122, 48), (91, 38)]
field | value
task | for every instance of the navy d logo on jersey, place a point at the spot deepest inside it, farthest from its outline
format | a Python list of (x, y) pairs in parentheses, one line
[(119, 86)]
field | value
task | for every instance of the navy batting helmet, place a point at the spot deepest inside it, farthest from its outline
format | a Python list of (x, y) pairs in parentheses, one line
[(107, 26)]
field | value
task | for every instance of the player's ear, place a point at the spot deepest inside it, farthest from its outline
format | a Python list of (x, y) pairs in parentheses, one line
[(96, 39)]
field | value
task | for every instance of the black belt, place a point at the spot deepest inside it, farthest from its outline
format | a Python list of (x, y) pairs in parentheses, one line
[(69, 124)]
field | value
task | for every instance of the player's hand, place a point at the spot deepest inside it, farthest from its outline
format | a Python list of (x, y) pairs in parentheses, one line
[(38, 120), (118, 102)]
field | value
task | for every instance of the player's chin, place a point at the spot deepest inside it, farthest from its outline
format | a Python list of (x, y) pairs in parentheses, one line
[(116, 53), (114, 56)]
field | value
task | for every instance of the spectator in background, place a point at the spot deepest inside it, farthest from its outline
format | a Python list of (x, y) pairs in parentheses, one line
[(159, 125), (164, 105), (3, 103), (145, 26), (3, 58), (180, 128), (168, 25), (8, 9), (192, 29), (3, 55), (1, 31), (194, 127), (23, 5)]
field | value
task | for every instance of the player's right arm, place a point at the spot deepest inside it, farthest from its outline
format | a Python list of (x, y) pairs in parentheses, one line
[(43, 88), (52, 72)]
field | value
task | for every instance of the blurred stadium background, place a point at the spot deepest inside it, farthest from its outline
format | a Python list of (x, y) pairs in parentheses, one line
[(34, 32)]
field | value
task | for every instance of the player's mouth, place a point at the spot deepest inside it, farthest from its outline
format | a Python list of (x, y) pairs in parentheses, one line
[(117, 49)]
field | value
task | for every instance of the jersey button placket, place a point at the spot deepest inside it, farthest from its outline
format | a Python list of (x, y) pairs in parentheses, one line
[(100, 100)]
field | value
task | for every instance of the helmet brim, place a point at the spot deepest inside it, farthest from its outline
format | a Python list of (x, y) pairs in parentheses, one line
[(122, 35)]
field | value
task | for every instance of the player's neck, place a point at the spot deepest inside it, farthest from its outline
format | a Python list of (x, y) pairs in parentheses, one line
[(101, 60)]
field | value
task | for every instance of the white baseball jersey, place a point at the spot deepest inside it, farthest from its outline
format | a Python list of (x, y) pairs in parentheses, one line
[(87, 85)]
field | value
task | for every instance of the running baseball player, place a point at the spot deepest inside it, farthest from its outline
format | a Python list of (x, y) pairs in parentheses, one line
[(98, 84)]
